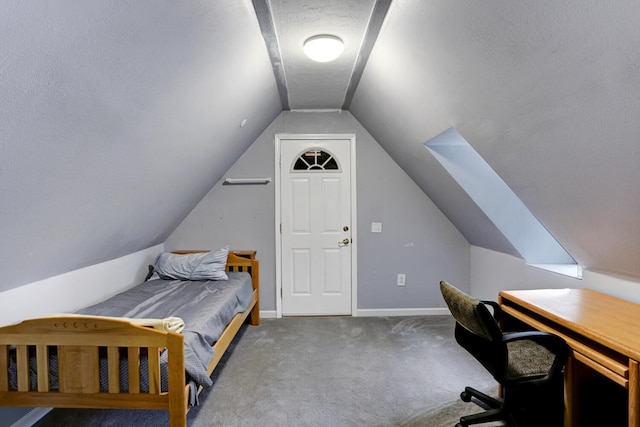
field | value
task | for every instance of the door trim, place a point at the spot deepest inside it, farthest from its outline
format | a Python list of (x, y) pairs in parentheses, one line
[(354, 225)]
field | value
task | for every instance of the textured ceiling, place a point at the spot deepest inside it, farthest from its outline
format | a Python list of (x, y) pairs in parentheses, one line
[(312, 84), (303, 83)]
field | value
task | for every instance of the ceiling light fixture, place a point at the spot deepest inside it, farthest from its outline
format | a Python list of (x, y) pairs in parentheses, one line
[(323, 48)]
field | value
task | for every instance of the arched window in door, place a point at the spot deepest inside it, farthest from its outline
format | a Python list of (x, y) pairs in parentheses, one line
[(315, 159)]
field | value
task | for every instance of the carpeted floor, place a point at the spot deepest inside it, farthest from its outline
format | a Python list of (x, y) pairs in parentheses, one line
[(329, 371)]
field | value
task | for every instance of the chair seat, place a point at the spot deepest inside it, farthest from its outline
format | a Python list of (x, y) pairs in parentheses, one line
[(527, 359)]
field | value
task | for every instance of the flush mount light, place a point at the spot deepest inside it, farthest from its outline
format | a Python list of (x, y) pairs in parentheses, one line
[(323, 48)]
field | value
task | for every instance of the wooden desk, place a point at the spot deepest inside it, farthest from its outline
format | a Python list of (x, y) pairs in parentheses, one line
[(602, 331)]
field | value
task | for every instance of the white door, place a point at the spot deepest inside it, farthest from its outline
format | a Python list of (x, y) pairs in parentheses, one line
[(315, 197)]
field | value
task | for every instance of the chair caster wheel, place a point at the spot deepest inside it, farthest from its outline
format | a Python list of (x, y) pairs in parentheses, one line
[(459, 425), (465, 397)]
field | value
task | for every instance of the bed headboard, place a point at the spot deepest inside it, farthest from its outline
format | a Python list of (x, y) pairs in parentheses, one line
[(244, 260)]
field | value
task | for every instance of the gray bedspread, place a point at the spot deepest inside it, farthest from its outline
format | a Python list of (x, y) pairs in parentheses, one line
[(205, 306)]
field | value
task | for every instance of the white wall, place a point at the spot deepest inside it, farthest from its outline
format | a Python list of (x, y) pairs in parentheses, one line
[(492, 272), (76, 289)]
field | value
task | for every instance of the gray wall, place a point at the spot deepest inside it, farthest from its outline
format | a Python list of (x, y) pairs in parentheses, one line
[(416, 239)]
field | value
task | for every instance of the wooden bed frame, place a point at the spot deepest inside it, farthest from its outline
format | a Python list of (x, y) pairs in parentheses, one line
[(78, 340)]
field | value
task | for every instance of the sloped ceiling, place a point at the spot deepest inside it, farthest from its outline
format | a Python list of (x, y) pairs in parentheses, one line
[(548, 92), (117, 117)]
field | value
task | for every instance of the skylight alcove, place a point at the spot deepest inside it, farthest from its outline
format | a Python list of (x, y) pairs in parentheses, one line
[(500, 204)]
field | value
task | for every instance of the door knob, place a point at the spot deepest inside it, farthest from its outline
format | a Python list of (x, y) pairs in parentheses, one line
[(344, 242)]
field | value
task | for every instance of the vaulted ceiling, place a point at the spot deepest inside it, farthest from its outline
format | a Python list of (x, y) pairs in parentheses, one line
[(117, 117)]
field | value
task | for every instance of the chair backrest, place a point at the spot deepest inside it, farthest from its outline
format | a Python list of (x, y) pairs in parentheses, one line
[(470, 312), (476, 329)]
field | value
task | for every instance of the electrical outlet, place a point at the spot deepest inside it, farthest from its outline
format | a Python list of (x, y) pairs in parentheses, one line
[(401, 279)]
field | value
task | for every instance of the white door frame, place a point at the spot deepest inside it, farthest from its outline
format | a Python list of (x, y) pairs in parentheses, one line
[(354, 226)]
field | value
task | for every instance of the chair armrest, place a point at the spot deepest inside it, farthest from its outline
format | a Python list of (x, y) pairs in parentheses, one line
[(497, 311)]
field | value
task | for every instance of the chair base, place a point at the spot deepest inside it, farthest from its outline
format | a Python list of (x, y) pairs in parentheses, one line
[(494, 409)]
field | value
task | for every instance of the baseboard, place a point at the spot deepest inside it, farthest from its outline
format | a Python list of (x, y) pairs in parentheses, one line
[(379, 312), (32, 417), (387, 312), (268, 314)]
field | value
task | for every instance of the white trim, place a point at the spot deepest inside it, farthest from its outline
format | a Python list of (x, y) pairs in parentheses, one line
[(316, 110), (354, 232), (268, 314), (32, 417), (354, 223), (277, 228), (389, 312), (571, 270)]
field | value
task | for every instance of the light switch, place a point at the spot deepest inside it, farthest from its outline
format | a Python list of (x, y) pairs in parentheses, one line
[(376, 227)]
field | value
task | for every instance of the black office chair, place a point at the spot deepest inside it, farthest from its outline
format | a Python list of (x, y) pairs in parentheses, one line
[(528, 365)]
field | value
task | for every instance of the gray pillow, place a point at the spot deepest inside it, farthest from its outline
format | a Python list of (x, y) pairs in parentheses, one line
[(200, 266)]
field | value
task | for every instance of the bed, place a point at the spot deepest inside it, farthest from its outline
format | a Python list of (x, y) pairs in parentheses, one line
[(89, 360)]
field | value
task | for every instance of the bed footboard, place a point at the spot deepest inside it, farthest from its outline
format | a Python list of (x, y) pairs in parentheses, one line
[(79, 343)]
